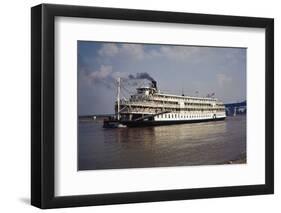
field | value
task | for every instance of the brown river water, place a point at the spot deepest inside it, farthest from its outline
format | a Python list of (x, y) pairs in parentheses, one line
[(218, 142)]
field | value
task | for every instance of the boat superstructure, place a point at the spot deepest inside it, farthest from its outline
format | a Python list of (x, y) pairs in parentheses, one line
[(150, 107)]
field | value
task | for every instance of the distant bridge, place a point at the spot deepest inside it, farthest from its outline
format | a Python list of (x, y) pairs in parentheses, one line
[(233, 109)]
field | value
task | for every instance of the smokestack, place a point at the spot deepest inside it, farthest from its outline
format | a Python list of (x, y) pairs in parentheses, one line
[(154, 84)]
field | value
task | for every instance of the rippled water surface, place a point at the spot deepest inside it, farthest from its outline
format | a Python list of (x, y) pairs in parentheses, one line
[(175, 145)]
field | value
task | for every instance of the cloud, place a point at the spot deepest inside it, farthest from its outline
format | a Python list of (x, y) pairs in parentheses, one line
[(108, 49), (135, 51), (102, 73), (103, 76), (177, 52), (138, 52), (223, 80), (130, 51)]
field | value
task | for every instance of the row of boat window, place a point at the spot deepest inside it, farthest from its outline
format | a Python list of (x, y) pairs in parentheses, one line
[(182, 116), (182, 97), (144, 104), (178, 108), (185, 103), (176, 103)]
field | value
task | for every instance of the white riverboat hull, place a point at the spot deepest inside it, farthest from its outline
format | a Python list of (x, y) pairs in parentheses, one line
[(144, 123)]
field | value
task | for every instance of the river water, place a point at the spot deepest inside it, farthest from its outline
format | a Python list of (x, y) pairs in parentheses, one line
[(206, 143)]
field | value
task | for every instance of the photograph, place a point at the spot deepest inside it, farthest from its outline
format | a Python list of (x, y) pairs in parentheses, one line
[(139, 105), (160, 105)]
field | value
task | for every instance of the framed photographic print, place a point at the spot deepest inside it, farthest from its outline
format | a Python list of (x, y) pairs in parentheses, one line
[(139, 106)]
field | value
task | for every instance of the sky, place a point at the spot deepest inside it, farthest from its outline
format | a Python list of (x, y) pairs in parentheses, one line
[(192, 70)]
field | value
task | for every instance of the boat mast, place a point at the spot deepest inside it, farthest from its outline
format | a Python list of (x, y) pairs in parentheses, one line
[(118, 98)]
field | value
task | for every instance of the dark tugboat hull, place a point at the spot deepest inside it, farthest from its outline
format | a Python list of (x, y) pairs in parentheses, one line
[(112, 124)]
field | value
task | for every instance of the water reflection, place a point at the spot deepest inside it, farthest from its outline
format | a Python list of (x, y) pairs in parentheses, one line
[(176, 145)]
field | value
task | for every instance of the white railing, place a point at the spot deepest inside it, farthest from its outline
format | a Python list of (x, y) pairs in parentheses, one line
[(175, 106)]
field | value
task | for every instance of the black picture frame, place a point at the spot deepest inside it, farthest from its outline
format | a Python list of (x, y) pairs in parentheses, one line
[(43, 102)]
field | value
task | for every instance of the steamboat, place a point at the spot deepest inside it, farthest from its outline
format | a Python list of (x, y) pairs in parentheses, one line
[(150, 107)]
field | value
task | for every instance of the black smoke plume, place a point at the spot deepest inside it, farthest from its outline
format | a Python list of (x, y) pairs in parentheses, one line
[(141, 75)]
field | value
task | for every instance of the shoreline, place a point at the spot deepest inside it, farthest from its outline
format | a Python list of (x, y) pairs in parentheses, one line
[(240, 160)]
